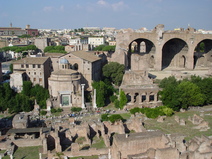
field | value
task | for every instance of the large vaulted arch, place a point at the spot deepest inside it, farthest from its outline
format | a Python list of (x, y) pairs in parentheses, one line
[(174, 54), (139, 51), (203, 54)]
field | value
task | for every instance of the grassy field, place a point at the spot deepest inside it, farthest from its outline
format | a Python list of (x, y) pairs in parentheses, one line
[(85, 157), (170, 126), (25, 153), (98, 143)]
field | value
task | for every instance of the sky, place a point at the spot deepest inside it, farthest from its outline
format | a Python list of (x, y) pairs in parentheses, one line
[(135, 14)]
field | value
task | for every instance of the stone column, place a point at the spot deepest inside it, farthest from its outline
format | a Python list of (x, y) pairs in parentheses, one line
[(83, 100), (140, 98), (132, 98), (94, 99), (147, 97), (155, 97)]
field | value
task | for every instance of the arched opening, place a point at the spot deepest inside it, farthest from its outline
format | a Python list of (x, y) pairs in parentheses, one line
[(151, 62), (203, 54), (136, 98), (183, 61), (143, 97), (172, 53), (75, 67), (50, 143), (151, 97), (139, 54)]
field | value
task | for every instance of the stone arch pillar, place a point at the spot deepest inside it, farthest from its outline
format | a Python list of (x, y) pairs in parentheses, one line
[(147, 97), (158, 58), (190, 58)]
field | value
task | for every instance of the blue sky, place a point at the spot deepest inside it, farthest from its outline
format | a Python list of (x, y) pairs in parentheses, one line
[(71, 14)]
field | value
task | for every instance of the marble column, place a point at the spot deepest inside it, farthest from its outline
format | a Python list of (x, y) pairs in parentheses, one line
[(83, 97), (155, 97), (94, 99), (147, 97), (132, 98)]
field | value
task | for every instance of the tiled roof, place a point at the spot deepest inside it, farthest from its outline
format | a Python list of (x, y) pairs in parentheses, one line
[(31, 60), (64, 72), (88, 56)]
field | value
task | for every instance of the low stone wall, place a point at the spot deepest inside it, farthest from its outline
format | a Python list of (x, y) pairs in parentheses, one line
[(90, 152), (26, 143)]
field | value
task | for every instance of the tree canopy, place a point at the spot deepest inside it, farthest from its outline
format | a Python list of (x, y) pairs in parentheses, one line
[(185, 93), (114, 72), (24, 101), (19, 48), (105, 48), (55, 49), (103, 90)]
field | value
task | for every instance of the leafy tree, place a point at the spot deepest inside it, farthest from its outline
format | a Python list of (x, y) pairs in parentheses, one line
[(170, 97), (103, 90), (123, 99), (104, 117), (43, 112), (55, 49), (190, 94), (205, 86), (114, 72), (134, 110), (27, 86), (116, 103), (41, 95), (11, 68), (168, 81), (99, 48), (113, 98), (109, 48), (25, 36), (115, 117)]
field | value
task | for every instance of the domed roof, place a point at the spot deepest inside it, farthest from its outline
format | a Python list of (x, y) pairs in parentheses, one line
[(63, 61)]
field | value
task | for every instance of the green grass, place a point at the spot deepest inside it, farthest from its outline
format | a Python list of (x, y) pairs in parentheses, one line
[(98, 143), (80, 140), (110, 107), (85, 157), (26, 153), (126, 115), (172, 127)]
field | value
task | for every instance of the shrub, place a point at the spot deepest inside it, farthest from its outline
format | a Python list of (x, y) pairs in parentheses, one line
[(116, 103), (76, 109), (113, 98), (59, 110), (53, 110), (135, 110), (43, 112), (104, 117), (115, 117), (167, 111)]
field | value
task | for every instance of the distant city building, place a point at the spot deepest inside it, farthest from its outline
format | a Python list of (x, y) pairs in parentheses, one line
[(41, 43), (31, 32), (34, 69), (91, 28), (96, 41), (16, 31)]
